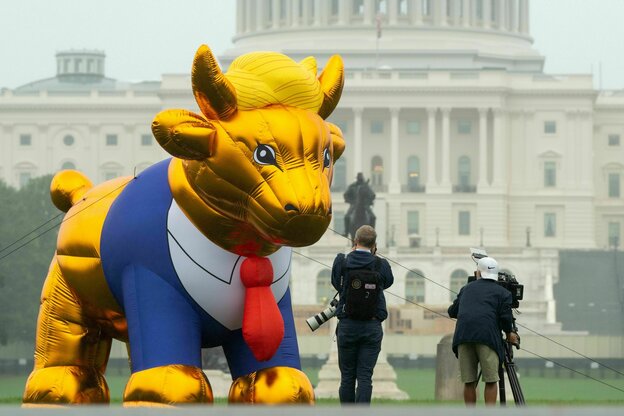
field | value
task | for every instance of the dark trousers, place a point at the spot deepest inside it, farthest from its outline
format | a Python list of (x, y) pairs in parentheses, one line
[(359, 344)]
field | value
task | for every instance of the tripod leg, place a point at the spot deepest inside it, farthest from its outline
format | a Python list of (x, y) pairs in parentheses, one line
[(501, 386)]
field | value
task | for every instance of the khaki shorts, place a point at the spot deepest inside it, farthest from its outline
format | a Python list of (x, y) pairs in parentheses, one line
[(470, 355)]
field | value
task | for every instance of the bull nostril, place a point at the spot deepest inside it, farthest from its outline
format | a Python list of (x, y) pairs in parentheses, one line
[(291, 207)]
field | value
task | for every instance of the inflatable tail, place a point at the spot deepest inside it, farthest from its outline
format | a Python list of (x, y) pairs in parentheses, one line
[(67, 188)]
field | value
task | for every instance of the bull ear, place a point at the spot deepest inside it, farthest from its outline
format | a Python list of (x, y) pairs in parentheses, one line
[(338, 142), (332, 81), (184, 134), (309, 63), (213, 92)]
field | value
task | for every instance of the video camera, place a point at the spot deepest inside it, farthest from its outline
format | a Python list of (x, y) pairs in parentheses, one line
[(506, 280)]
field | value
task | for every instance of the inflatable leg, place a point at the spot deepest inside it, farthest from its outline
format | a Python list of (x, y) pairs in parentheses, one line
[(70, 352), (275, 385)]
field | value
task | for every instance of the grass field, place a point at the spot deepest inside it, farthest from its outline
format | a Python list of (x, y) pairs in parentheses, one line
[(419, 385)]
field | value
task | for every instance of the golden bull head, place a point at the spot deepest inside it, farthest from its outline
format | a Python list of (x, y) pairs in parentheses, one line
[(253, 172)]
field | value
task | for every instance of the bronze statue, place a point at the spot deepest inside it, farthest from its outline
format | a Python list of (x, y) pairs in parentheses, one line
[(360, 196)]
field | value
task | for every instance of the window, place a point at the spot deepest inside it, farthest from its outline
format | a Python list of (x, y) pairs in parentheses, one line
[(550, 174), (550, 224), (463, 172), (614, 185), (463, 222), (550, 127), (68, 165), (334, 8), (146, 140), (614, 234), (413, 127), (358, 7), (413, 174), (339, 180), (413, 224), (614, 140), (494, 9), (25, 139), (68, 140), (377, 171), (283, 9), (24, 178), (458, 279), (403, 7), (324, 288), (110, 175), (376, 126), (111, 140), (381, 6), (415, 286), (464, 127)]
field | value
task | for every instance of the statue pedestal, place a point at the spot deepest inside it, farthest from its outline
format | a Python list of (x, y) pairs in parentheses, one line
[(384, 376)]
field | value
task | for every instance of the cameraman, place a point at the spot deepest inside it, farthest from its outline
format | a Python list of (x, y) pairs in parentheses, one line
[(359, 333), (482, 309)]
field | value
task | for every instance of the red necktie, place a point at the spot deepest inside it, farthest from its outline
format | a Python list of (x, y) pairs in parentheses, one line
[(263, 326)]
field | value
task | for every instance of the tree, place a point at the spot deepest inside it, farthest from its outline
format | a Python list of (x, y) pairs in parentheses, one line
[(24, 261)]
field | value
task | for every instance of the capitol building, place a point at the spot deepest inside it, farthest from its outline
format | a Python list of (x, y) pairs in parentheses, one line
[(446, 110)]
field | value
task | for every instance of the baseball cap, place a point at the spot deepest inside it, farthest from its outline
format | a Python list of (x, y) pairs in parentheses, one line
[(488, 268)]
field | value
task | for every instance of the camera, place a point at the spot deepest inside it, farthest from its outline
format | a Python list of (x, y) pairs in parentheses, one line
[(320, 318), (506, 280)]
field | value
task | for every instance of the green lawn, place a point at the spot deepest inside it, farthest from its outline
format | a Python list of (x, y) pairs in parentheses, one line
[(419, 384)]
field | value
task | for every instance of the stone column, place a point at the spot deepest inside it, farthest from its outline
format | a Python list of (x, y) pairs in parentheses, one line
[(466, 13), (502, 10), (416, 13), (318, 7), (295, 12), (431, 148), (483, 149), (357, 140), (369, 12), (499, 151), (393, 12), (242, 13), (524, 17), (446, 148), (275, 16), (260, 16), (344, 12), (395, 182), (487, 14), (305, 15)]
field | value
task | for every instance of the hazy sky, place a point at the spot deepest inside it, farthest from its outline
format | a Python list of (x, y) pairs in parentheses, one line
[(146, 38)]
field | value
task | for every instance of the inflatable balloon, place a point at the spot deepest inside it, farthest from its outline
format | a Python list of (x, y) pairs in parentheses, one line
[(195, 251)]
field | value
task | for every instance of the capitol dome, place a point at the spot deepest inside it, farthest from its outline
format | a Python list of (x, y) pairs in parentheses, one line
[(399, 34)]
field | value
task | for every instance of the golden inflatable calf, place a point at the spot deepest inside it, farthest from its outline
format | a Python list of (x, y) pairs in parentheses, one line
[(195, 251)]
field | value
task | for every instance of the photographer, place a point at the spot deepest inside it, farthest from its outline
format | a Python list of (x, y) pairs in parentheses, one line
[(482, 309), (360, 278)]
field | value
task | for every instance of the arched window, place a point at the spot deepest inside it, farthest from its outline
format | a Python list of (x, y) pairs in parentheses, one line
[(463, 171), (68, 165), (458, 279), (324, 290), (377, 171), (415, 286), (413, 174), (339, 181)]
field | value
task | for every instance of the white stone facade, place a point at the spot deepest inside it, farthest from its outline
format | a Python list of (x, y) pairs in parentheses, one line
[(465, 139)]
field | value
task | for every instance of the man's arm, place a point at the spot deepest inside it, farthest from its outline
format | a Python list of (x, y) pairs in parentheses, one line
[(336, 274), (505, 314), (386, 273), (453, 310)]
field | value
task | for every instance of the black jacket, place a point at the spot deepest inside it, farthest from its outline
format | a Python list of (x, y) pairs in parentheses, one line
[(482, 309), (361, 260)]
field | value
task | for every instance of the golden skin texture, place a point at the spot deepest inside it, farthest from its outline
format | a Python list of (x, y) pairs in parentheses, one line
[(252, 173)]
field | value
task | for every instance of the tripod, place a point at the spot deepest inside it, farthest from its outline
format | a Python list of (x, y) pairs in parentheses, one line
[(510, 367)]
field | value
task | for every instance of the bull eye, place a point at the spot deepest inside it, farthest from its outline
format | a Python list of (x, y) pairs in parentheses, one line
[(326, 158), (264, 155)]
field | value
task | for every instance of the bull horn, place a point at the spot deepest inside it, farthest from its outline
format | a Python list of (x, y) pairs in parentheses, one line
[(309, 63), (332, 81), (214, 94)]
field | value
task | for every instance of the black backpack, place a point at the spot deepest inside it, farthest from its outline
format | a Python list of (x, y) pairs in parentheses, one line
[(362, 291)]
